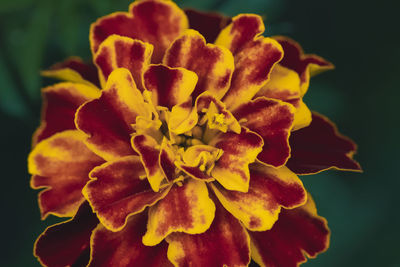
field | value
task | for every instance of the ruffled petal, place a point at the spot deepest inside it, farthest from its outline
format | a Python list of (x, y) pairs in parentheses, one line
[(167, 159), (169, 86), (305, 65), (232, 170), (269, 190), (73, 69), (273, 121), (186, 208), (209, 24), (154, 21), (298, 233), (320, 147), (117, 191), (213, 64), (108, 120), (125, 248), (149, 152), (123, 52), (225, 243), (60, 102), (61, 164), (67, 243)]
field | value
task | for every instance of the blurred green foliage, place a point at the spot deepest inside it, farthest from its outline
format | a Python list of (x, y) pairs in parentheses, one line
[(361, 95)]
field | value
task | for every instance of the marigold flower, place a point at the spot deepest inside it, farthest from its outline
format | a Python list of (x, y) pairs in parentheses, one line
[(182, 145)]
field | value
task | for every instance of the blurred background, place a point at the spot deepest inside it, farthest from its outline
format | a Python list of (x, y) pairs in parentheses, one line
[(361, 95)]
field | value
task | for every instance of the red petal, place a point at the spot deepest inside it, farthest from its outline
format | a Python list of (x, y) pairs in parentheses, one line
[(320, 147), (108, 120), (118, 191), (155, 21), (61, 164), (60, 103), (225, 243), (123, 52), (212, 64), (125, 248), (67, 243), (273, 121), (297, 233), (209, 24)]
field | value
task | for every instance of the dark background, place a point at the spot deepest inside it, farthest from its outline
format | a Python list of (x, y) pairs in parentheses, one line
[(361, 95)]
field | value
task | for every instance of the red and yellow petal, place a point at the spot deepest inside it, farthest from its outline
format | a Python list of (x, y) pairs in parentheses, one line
[(208, 24), (67, 243), (298, 233), (231, 170), (125, 248), (169, 86), (123, 52), (73, 69), (60, 102), (213, 64), (61, 164), (320, 147), (269, 190), (166, 160), (225, 243), (154, 21), (273, 121), (117, 191), (186, 208), (108, 120)]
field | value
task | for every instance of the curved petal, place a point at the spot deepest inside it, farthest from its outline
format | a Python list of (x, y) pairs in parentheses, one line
[(108, 120), (320, 147), (269, 190), (305, 65), (273, 121), (123, 52), (157, 22), (73, 69), (186, 208), (231, 170), (166, 160), (225, 243), (117, 191), (67, 243), (169, 86), (61, 165), (125, 248), (209, 24), (298, 233), (212, 64), (60, 102)]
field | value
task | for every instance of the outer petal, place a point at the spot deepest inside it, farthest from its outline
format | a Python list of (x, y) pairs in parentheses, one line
[(269, 190), (74, 69), (320, 147), (149, 152), (107, 120), (231, 170), (60, 103), (67, 243), (305, 65), (61, 165), (209, 24), (213, 64), (297, 233), (117, 191), (273, 121), (186, 208), (169, 86), (225, 243), (154, 21), (123, 52), (125, 248)]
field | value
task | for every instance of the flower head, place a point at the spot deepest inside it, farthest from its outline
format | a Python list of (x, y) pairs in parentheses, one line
[(184, 149)]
